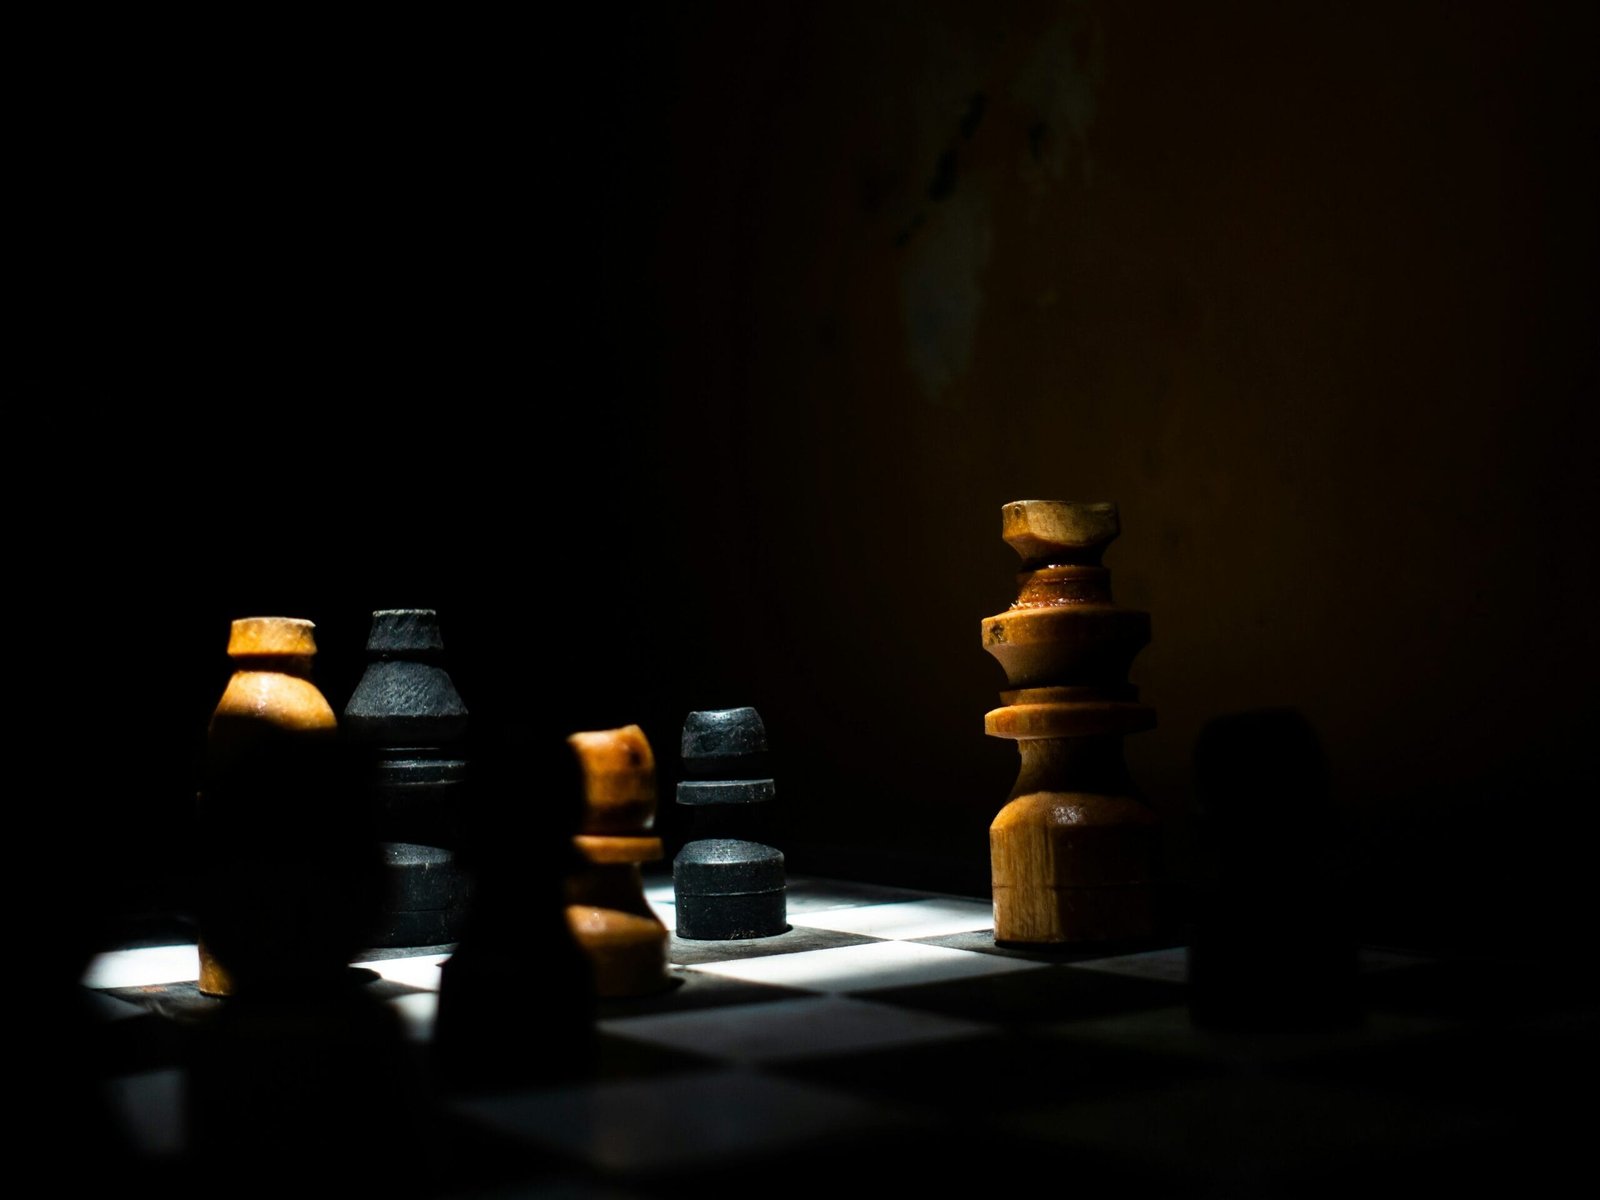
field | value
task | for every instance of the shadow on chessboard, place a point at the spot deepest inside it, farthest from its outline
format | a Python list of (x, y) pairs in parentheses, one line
[(884, 1040)]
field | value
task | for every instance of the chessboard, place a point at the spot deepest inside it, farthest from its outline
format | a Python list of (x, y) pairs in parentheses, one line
[(886, 1041)]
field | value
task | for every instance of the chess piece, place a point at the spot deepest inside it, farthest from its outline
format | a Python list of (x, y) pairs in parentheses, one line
[(625, 941), (1072, 855), (1273, 949), (516, 999), (727, 887), (290, 875), (408, 722), (304, 1084)]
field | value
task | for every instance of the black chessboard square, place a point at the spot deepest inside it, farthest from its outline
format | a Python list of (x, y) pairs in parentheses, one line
[(1491, 994), (691, 952), (1041, 994), (988, 1075), (692, 990)]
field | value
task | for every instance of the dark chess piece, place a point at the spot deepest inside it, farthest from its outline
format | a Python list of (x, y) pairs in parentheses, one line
[(290, 874), (727, 887), (1273, 948), (290, 1087), (606, 908), (408, 724), (516, 999), (1073, 853)]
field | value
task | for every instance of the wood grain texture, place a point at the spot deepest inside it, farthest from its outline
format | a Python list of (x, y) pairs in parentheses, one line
[(1072, 853)]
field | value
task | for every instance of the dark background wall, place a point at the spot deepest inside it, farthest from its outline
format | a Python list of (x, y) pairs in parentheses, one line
[(683, 357)]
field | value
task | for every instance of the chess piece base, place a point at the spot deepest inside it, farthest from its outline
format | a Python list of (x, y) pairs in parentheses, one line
[(628, 952), (1073, 867), (728, 888)]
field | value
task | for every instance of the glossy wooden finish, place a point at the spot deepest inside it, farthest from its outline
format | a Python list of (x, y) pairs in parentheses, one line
[(1072, 853), (269, 765), (625, 942)]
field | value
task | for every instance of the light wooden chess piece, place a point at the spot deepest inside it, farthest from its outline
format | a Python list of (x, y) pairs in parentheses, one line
[(1072, 855), (625, 942), (290, 876)]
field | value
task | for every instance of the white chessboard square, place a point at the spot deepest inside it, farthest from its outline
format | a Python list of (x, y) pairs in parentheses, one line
[(418, 1014), (862, 968), (683, 1120), (662, 898), (145, 966), (420, 971), (805, 1027), (907, 920), (667, 914)]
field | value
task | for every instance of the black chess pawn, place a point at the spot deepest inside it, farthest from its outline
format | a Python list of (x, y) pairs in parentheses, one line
[(727, 887), (408, 724)]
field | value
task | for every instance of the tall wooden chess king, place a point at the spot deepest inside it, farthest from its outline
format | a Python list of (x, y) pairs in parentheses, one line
[(1072, 855)]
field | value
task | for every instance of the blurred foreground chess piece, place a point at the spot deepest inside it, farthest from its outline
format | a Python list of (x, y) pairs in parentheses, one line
[(1072, 855), (290, 874), (408, 722), (290, 1086), (625, 941), (1273, 948), (727, 887), (516, 999)]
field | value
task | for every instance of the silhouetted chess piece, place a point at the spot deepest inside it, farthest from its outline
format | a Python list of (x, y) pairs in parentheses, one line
[(290, 876), (1072, 855), (727, 886), (516, 999), (625, 941), (288, 1087), (408, 723), (1273, 947)]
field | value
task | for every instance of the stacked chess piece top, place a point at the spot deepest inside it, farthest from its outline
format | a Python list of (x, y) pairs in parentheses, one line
[(727, 887), (1073, 853), (409, 721)]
